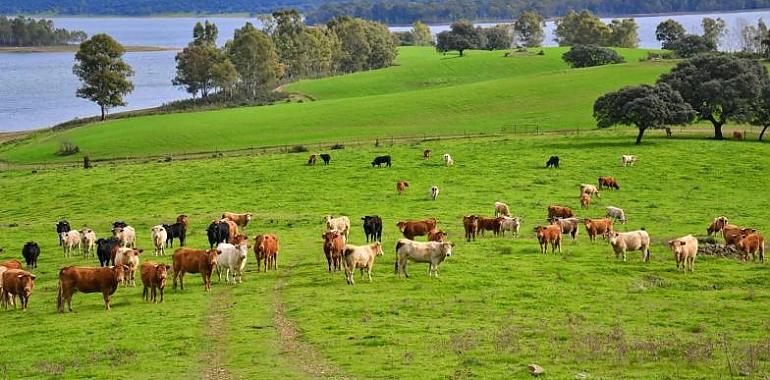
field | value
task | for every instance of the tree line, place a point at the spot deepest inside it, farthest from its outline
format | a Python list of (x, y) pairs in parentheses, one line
[(23, 31)]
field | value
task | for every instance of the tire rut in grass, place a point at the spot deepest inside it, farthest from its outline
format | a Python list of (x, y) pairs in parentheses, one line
[(213, 356)]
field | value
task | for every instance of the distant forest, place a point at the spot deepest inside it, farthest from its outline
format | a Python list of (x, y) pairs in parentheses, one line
[(387, 11)]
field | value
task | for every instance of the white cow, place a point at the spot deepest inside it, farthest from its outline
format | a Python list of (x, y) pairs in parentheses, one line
[(501, 209), (354, 256), (130, 258), (126, 235), (630, 241), (431, 252), (628, 159), (512, 224), (616, 213), (685, 249), (232, 259), (70, 241), (159, 237), (88, 242), (434, 192), (448, 161), (340, 224)]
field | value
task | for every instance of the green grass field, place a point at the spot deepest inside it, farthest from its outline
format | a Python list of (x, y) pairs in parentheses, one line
[(426, 93), (497, 306)]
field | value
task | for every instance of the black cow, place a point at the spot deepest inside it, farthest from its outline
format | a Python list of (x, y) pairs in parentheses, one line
[(326, 158), (176, 230), (372, 228), (104, 249), (552, 162), (217, 233), (381, 160), (31, 252), (62, 226)]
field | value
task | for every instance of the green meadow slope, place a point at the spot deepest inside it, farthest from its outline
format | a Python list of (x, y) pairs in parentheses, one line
[(425, 93)]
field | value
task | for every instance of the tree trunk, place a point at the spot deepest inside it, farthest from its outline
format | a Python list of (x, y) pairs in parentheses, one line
[(461, 52), (639, 136), (761, 135), (104, 113)]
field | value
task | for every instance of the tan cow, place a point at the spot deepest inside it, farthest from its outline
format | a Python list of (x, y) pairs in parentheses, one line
[(630, 241), (266, 248), (685, 249), (548, 235), (153, 279), (717, 225), (360, 257), (340, 224), (194, 261), (512, 224), (159, 236), (596, 227), (130, 258), (568, 226), (70, 241), (334, 245), (88, 242), (88, 280), (585, 200), (232, 230), (752, 244), (11, 264), (433, 253), (501, 209), (401, 187), (241, 220), (589, 189)]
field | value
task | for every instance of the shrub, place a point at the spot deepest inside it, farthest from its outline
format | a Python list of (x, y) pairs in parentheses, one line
[(67, 148), (591, 55), (297, 149), (337, 146)]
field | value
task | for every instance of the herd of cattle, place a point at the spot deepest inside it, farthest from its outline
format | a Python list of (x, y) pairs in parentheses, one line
[(228, 248)]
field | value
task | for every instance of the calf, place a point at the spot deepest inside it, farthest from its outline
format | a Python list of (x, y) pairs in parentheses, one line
[(630, 241), (175, 231), (413, 228), (62, 226), (548, 235), (379, 161), (201, 261), (326, 158), (88, 242), (585, 200), (433, 253), (434, 192), (552, 162), (508, 223), (311, 160), (401, 187), (436, 235), (555, 211), (589, 189), (685, 249), (159, 237), (489, 224), (616, 213), (501, 209), (17, 282), (128, 257), (232, 259), (153, 280), (340, 224), (266, 248), (88, 280), (334, 245), (372, 228), (106, 249), (471, 225), (30, 252), (568, 226), (752, 244), (241, 220), (596, 227), (448, 161), (626, 160), (70, 241), (608, 183), (360, 257)]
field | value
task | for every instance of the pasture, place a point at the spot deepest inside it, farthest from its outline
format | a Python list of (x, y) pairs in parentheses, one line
[(497, 306), (425, 93)]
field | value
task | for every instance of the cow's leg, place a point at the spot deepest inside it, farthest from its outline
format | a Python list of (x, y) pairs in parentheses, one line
[(369, 272), (106, 296), (162, 288), (144, 292)]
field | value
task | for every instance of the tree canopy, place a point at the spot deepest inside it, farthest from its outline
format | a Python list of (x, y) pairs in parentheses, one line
[(530, 27), (23, 31), (584, 28), (99, 65), (591, 55)]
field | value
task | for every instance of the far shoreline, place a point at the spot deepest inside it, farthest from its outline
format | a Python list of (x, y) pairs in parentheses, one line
[(74, 48)]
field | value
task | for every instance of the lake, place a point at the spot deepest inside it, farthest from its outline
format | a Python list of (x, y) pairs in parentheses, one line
[(38, 89)]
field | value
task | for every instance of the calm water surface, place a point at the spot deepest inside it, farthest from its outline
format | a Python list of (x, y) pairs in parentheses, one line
[(38, 89)]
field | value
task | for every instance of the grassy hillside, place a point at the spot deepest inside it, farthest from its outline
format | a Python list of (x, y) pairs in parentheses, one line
[(497, 306), (427, 93)]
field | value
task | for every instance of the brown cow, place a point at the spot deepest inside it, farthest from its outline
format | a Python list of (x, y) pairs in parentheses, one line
[(546, 235), (232, 230), (154, 278), (436, 235), (489, 224), (17, 282), (471, 224), (266, 248), (585, 200), (312, 159), (334, 245), (608, 182), (751, 244), (184, 219), (595, 227), (734, 234), (88, 280), (412, 228), (718, 224), (426, 154), (555, 211), (195, 261), (11, 264), (737, 135), (241, 220), (401, 186)]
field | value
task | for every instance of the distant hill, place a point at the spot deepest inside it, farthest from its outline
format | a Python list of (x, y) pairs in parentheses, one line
[(387, 11)]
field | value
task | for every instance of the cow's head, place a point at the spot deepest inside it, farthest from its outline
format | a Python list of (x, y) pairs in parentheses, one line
[(377, 248), (613, 237), (27, 281), (161, 272), (119, 271), (211, 257), (446, 247), (330, 235), (401, 226)]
